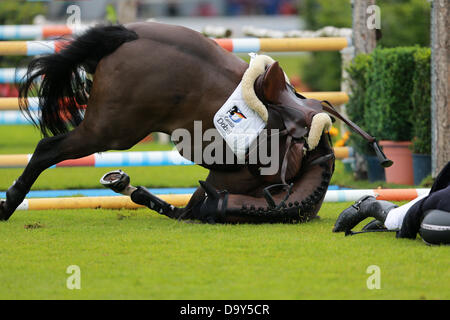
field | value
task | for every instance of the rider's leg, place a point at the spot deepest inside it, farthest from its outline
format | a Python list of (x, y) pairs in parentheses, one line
[(362, 209), (395, 217), (386, 214)]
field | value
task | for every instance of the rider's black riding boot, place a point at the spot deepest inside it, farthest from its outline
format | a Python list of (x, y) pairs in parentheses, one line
[(365, 207)]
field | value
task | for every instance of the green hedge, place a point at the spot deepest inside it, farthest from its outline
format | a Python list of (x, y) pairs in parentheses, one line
[(388, 96), (391, 96), (355, 108)]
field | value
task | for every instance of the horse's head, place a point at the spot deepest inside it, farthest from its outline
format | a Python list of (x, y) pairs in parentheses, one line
[(271, 87), (273, 90)]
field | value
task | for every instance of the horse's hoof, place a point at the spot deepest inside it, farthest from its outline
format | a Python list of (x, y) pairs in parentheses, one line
[(3, 215)]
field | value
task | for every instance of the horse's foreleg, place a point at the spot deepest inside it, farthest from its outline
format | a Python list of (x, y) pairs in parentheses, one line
[(119, 182), (143, 197), (48, 152)]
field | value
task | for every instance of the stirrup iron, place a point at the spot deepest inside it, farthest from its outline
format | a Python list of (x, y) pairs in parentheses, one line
[(116, 180)]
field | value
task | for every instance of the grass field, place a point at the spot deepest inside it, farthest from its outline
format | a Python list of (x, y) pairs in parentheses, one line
[(138, 254)]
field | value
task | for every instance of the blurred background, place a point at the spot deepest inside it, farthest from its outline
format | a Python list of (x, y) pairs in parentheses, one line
[(404, 23)]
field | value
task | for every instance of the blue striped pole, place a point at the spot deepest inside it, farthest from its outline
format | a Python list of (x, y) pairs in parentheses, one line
[(12, 75), (16, 118)]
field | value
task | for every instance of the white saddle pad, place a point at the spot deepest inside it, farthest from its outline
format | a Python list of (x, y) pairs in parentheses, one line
[(238, 124)]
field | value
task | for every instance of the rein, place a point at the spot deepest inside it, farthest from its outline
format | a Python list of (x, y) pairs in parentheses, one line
[(384, 161), (351, 233)]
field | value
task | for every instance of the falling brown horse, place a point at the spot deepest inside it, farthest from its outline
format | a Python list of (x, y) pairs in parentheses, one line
[(151, 77)]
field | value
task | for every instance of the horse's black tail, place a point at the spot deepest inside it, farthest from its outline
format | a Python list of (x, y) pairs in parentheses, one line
[(62, 89)]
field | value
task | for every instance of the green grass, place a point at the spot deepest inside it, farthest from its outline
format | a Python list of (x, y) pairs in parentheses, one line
[(136, 254)]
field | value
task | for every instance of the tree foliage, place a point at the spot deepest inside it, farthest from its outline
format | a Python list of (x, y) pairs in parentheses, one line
[(403, 23), (391, 96), (19, 11)]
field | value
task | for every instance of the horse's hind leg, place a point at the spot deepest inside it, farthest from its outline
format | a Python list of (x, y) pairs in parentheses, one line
[(48, 152), (82, 141)]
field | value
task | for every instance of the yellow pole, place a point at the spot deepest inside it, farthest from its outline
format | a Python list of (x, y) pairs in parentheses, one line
[(13, 160), (112, 202), (341, 152), (334, 97), (13, 48), (9, 103), (303, 44)]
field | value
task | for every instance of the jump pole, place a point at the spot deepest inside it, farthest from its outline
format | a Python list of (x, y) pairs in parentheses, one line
[(112, 202), (127, 159), (244, 45), (236, 45), (8, 117), (334, 97), (30, 48), (123, 202), (16, 117), (25, 32), (12, 75), (107, 159), (12, 103)]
